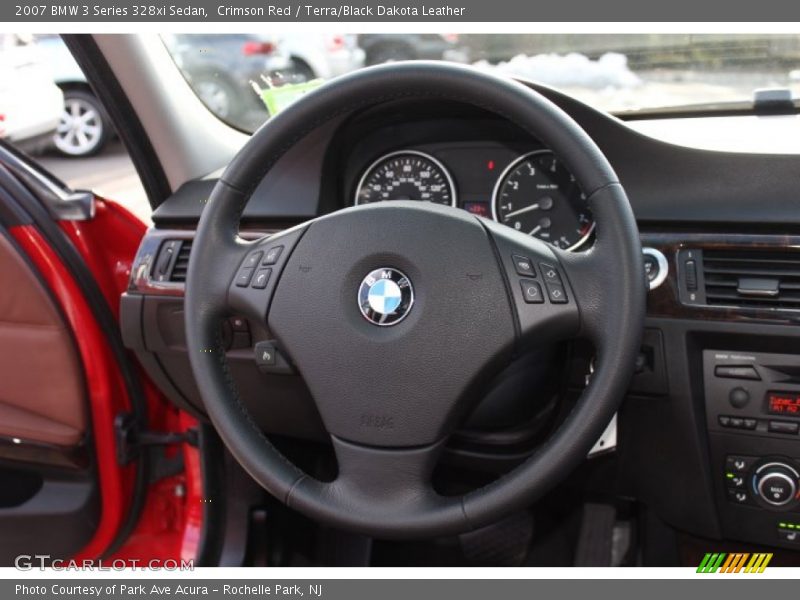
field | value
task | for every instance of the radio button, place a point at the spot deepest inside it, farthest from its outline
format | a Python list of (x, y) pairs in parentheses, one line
[(739, 397), (736, 372), (784, 427)]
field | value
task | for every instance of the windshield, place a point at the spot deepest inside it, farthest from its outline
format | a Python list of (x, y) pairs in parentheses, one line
[(244, 78)]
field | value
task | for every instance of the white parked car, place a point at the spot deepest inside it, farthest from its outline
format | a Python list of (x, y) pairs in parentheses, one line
[(30, 103), (84, 126)]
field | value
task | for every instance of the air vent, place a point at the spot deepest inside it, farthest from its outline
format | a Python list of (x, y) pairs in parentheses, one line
[(173, 261), (179, 268), (752, 278)]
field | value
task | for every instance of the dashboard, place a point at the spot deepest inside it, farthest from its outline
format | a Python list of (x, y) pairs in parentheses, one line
[(710, 422)]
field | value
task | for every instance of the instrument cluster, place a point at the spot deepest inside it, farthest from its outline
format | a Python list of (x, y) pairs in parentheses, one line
[(531, 191)]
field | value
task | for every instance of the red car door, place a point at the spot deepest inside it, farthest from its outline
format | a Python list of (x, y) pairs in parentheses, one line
[(88, 447)]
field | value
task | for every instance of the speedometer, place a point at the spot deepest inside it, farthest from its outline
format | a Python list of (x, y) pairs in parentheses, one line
[(538, 196), (406, 175)]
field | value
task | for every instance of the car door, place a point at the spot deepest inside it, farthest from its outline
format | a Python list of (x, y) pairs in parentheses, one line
[(73, 404)]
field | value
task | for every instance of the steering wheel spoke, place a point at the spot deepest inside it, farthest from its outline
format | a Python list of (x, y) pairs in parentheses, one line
[(544, 300), (389, 486), (608, 280), (258, 269)]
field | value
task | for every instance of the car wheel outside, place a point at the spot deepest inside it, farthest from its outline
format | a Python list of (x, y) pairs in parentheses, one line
[(84, 128)]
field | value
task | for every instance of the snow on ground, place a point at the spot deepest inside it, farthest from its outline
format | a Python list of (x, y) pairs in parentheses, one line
[(569, 70), (608, 83)]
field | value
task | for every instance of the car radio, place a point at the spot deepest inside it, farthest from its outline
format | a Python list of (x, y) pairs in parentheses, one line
[(752, 393)]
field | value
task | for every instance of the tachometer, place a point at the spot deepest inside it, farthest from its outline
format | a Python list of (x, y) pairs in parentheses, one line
[(406, 175), (538, 196)]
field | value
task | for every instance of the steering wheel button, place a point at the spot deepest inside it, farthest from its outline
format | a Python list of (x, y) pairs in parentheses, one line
[(265, 354), (252, 260), (531, 291), (523, 265), (261, 279), (550, 274), (273, 254), (556, 293), (244, 276)]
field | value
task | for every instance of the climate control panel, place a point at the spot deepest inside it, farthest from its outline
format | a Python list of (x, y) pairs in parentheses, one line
[(760, 499), (771, 483)]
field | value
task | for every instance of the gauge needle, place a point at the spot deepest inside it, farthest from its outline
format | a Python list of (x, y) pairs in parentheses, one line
[(521, 210), (535, 230)]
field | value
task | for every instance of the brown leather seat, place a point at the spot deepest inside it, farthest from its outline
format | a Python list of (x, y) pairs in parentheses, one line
[(42, 395)]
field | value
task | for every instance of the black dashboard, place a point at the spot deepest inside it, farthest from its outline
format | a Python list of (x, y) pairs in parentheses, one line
[(667, 185), (698, 442)]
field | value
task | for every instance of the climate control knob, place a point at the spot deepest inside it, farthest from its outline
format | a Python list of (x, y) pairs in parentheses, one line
[(776, 483)]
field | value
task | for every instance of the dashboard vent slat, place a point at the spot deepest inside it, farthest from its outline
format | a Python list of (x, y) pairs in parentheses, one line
[(752, 278), (178, 272), (754, 271)]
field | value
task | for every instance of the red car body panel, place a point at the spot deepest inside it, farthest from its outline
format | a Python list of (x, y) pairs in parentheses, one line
[(171, 522)]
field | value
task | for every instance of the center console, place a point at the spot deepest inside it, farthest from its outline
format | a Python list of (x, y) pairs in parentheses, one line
[(752, 403)]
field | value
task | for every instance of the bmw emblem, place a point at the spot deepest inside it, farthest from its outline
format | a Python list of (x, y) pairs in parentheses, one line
[(385, 296)]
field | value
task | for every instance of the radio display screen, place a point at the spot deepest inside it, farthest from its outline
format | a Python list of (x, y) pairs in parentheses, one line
[(783, 403)]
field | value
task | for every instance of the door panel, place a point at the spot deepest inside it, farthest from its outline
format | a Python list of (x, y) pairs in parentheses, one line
[(51, 513), (42, 396), (105, 397), (48, 481)]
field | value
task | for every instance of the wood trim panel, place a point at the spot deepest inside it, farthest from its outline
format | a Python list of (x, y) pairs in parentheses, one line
[(664, 301)]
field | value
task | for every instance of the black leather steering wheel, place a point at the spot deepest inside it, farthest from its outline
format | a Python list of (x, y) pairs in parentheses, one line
[(390, 395)]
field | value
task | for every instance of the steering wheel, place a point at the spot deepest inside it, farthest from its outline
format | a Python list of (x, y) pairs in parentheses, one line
[(396, 314)]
